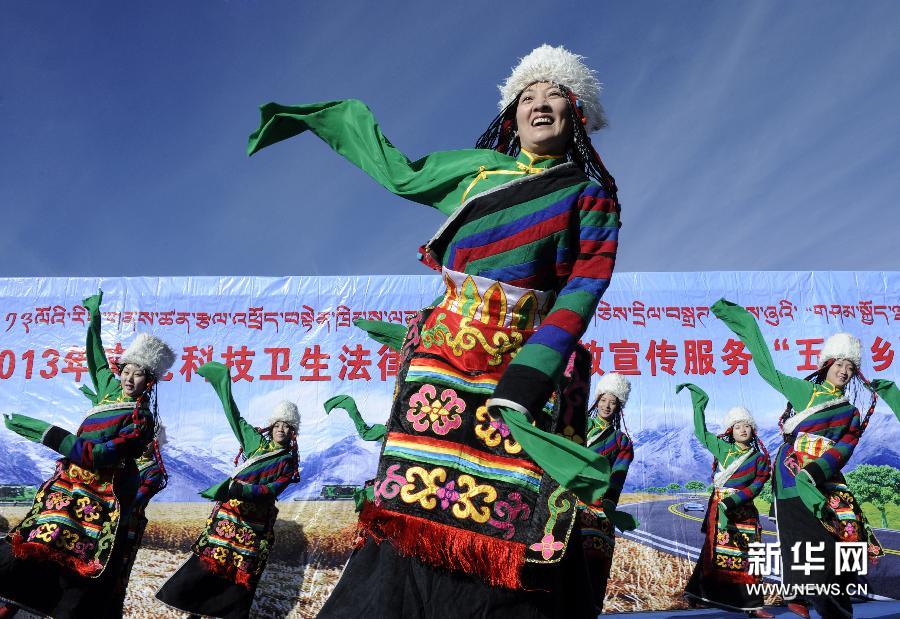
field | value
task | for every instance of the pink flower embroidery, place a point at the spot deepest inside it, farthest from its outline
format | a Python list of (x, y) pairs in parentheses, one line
[(447, 494), (225, 528), (548, 546), (440, 414)]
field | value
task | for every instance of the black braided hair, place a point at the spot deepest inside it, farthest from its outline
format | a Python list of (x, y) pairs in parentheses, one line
[(501, 135)]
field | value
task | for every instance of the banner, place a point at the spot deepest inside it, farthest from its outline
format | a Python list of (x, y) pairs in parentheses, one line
[(293, 338)]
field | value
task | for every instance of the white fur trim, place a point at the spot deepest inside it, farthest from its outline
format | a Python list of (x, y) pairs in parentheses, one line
[(287, 412), (616, 384), (149, 352), (736, 414), (841, 346), (559, 66)]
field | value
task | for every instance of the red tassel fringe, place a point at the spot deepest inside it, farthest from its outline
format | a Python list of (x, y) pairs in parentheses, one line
[(497, 562), (229, 573), (23, 549)]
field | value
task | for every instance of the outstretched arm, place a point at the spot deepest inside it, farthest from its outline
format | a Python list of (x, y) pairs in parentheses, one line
[(365, 431), (742, 323), (219, 378), (889, 393), (130, 441), (532, 375), (713, 443), (349, 128), (106, 385)]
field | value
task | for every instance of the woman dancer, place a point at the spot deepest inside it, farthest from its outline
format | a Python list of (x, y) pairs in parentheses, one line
[(219, 579), (741, 468), (63, 558), (821, 428), (598, 521), (464, 522)]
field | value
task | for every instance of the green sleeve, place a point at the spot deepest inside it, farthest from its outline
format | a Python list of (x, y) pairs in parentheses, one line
[(106, 385), (388, 333), (742, 323), (220, 379), (348, 127), (888, 391), (366, 432), (713, 443), (579, 470)]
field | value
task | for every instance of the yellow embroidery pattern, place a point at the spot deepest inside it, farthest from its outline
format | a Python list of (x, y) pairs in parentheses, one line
[(494, 432)]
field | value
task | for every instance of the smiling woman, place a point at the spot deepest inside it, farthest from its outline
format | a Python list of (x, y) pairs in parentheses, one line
[(72, 549), (542, 119), (474, 510)]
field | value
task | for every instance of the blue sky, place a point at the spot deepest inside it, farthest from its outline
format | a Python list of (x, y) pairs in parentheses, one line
[(743, 135)]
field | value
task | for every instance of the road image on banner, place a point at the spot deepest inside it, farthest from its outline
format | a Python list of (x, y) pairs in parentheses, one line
[(293, 338)]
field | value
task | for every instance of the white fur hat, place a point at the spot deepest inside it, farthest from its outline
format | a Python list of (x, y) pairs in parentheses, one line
[(559, 66), (287, 412), (736, 414), (149, 352), (841, 346), (615, 384)]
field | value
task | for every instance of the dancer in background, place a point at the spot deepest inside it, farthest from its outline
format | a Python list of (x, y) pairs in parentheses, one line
[(821, 427), (741, 468), (219, 579), (66, 555), (599, 521), (471, 513)]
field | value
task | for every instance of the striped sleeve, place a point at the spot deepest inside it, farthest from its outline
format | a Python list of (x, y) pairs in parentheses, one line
[(619, 469), (748, 492), (531, 377), (129, 442), (833, 460), (153, 480), (270, 482)]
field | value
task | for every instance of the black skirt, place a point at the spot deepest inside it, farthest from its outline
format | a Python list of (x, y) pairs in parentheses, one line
[(725, 595), (47, 588), (379, 582), (796, 524), (195, 589)]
